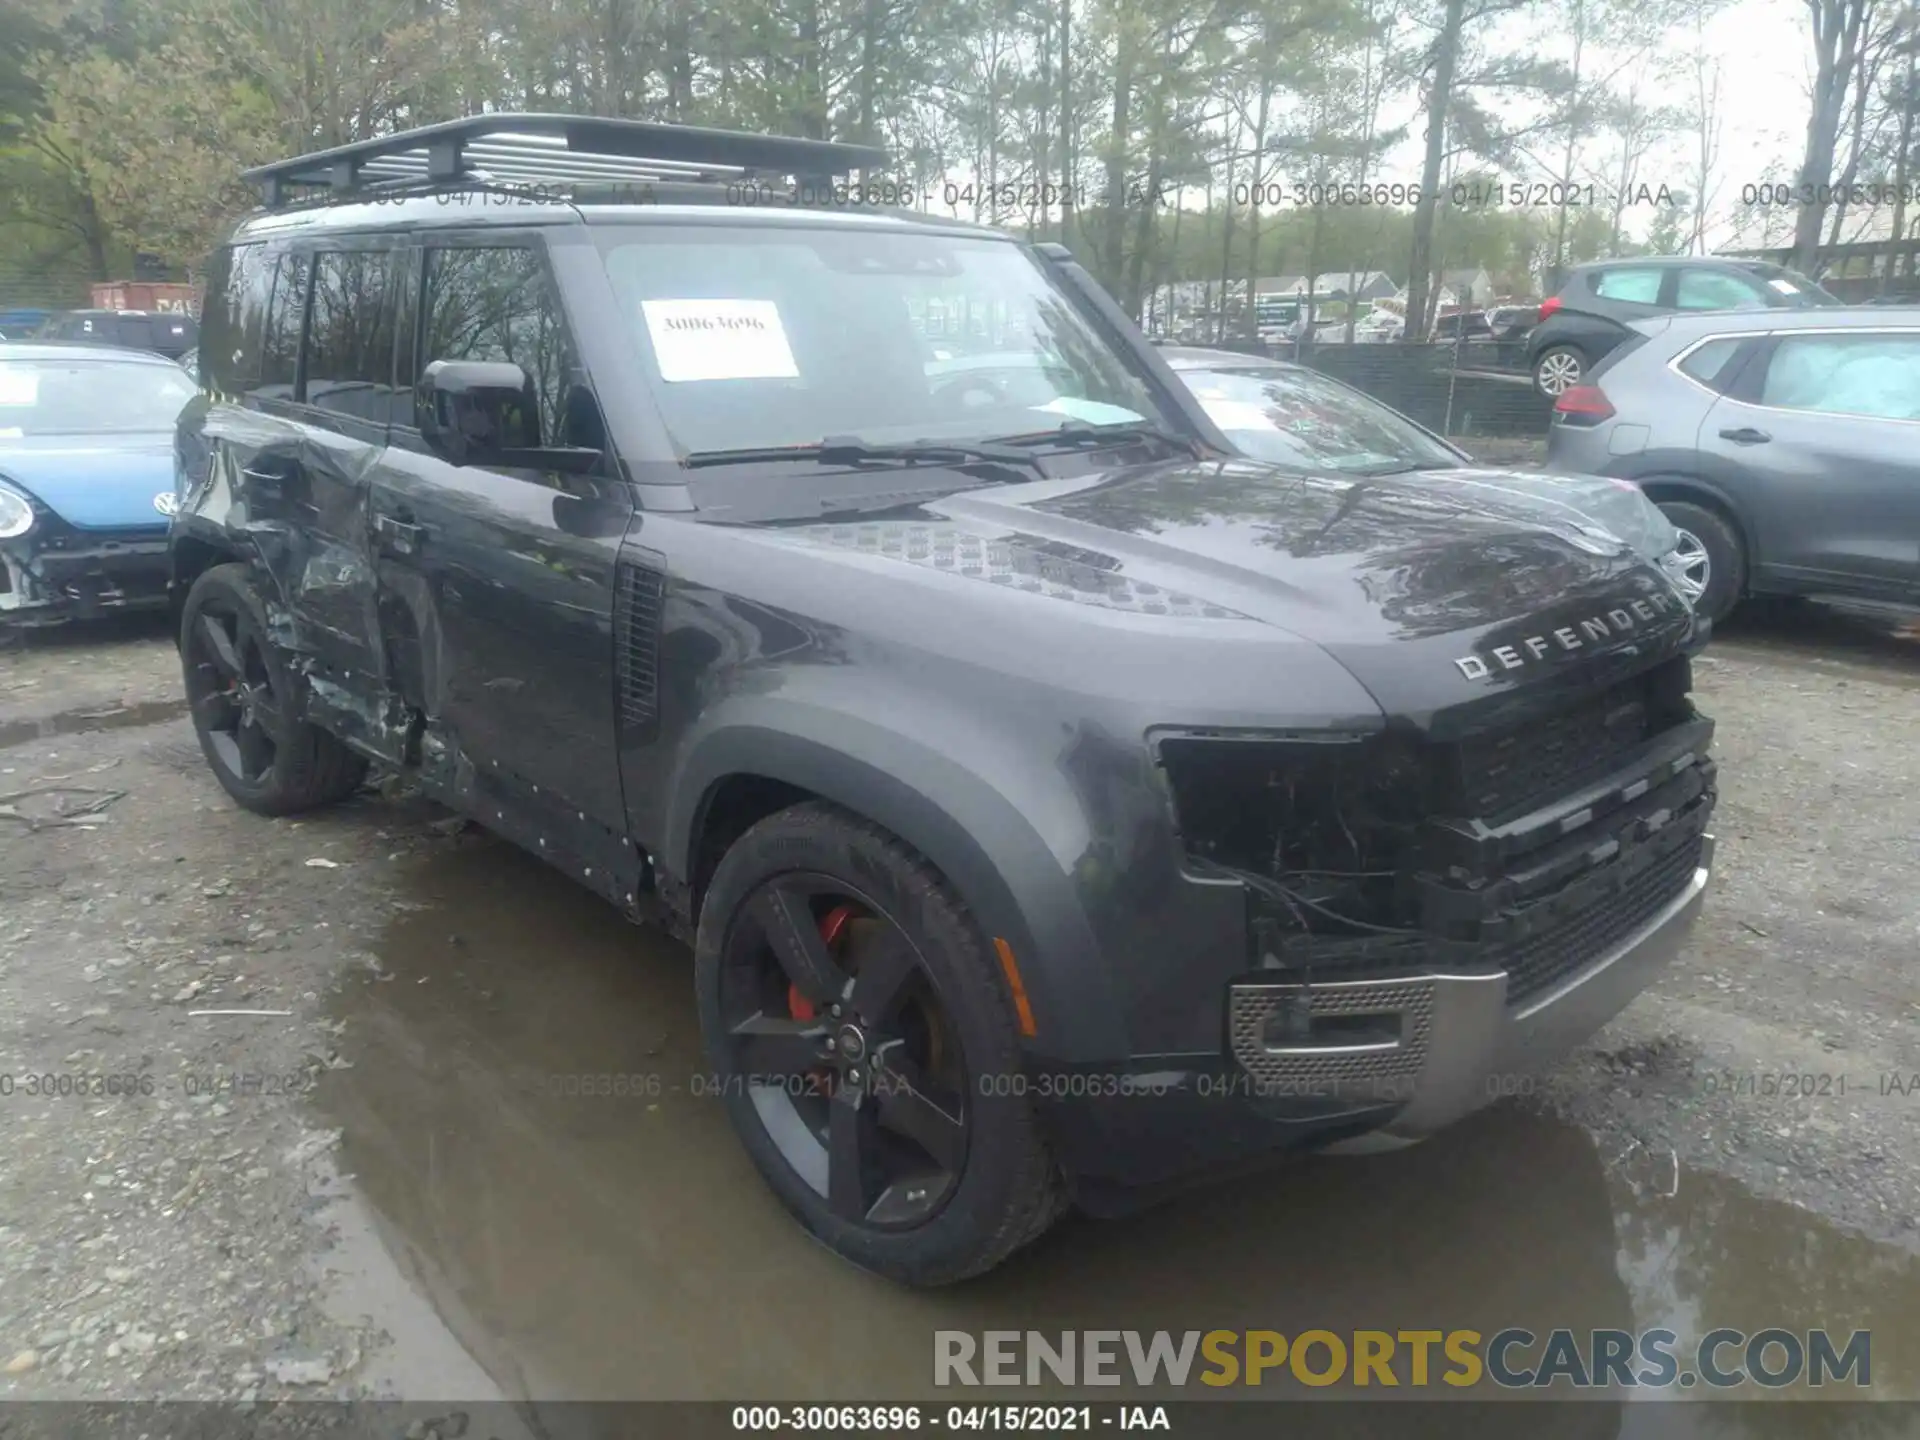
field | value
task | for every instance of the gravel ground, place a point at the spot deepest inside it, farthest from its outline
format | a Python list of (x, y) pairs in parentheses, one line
[(172, 1219)]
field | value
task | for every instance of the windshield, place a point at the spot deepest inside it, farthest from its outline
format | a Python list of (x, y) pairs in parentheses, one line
[(764, 337), (70, 397), (1306, 421)]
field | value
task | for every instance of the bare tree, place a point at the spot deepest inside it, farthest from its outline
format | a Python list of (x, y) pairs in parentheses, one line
[(1706, 76), (1841, 29)]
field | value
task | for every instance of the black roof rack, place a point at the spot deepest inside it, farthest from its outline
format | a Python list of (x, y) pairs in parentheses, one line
[(525, 149)]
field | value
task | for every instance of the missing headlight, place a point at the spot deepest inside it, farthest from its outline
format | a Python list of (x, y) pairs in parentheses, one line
[(1323, 833)]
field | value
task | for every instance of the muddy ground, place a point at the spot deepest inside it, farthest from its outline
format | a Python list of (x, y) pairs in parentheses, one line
[(384, 1178)]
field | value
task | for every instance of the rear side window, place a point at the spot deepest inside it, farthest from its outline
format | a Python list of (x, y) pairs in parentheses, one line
[(349, 362), (1712, 363), (238, 286), (1635, 286), (1716, 290), (286, 312), (1869, 375)]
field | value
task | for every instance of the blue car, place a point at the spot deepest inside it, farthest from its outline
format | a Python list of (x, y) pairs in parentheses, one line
[(86, 480)]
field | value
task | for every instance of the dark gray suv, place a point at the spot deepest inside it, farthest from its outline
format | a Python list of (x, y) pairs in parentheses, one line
[(1784, 445), (1581, 324), (1059, 804)]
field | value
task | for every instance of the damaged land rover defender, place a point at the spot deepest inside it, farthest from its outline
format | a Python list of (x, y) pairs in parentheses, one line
[(1060, 807)]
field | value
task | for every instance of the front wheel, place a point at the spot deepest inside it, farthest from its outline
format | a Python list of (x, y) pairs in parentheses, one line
[(242, 701), (858, 1032)]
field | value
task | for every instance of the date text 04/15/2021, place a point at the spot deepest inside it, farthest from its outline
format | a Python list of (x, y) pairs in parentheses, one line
[(895, 1419)]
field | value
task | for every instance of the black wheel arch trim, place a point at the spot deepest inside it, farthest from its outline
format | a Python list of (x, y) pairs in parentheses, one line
[(988, 851)]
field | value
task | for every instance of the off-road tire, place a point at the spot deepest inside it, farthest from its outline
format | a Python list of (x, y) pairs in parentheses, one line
[(311, 768), (1009, 1192)]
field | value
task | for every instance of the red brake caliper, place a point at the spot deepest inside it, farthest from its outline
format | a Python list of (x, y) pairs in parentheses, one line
[(831, 929)]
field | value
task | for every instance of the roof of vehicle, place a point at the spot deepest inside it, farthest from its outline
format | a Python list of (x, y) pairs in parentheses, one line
[(1670, 261), (539, 169), (79, 350), (1694, 323), (464, 207), (1197, 357)]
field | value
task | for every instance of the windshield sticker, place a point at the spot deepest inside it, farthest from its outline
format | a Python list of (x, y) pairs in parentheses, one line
[(1785, 287), (19, 387), (1237, 414), (719, 340)]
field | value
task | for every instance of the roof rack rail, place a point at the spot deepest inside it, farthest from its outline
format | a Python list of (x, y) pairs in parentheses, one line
[(534, 149)]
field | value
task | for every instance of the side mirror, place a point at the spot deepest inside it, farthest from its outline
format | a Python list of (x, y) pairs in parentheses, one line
[(590, 517), (485, 412), (469, 411)]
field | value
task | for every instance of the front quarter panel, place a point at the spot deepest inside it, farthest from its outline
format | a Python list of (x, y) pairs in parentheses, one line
[(1001, 734)]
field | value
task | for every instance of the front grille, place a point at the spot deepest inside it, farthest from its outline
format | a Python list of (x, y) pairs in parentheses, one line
[(1494, 774), (1540, 961)]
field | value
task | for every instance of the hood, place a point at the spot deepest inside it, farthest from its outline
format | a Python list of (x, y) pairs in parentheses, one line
[(1616, 505), (94, 482), (1444, 595)]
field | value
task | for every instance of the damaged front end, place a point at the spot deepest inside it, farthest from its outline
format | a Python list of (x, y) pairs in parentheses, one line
[(52, 572), (1384, 870)]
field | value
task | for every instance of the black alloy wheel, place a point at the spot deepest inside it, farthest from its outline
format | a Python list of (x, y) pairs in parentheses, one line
[(862, 1037), (845, 1050), (232, 694), (242, 700)]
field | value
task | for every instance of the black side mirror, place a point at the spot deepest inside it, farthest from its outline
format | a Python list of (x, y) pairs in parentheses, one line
[(485, 412), (471, 410), (590, 517)]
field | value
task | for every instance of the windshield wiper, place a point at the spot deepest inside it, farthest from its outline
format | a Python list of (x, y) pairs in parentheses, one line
[(1085, 435), (851, 450), (1396, 467)]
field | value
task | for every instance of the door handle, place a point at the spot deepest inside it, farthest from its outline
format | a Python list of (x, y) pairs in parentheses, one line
[(402, 536), (1746, 435)]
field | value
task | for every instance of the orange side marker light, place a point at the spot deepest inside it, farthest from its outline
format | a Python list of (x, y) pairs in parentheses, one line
[(1022, 1007)]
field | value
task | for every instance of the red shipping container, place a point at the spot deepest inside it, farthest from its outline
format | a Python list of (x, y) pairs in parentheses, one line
[(164, 297)]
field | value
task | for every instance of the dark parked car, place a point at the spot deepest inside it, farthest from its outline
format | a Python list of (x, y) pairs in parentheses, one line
[(1462, 325), (1292, 416), (1591, 313), (85, 487), (1060, 805), (166, 333), (22, 324), (1785, 446)]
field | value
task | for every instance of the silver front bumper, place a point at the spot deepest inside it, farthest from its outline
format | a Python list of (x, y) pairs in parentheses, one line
[(1445, 1045)]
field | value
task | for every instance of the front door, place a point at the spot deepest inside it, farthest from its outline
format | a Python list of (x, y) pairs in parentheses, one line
[(497, 586), (1820, 440)]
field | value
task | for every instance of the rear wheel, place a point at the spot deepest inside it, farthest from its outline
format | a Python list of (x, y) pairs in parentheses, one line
[(856, 1028), (1722, 564), (241, 700), (1558, 370)]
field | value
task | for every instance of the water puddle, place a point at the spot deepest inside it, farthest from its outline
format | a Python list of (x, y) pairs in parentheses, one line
[(521, 1113), (90, 722)]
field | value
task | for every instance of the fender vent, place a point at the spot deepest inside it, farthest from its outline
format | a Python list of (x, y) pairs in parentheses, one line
[(636, 640)]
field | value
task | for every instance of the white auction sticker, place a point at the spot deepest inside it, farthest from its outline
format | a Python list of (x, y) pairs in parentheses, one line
[(719, 340)]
